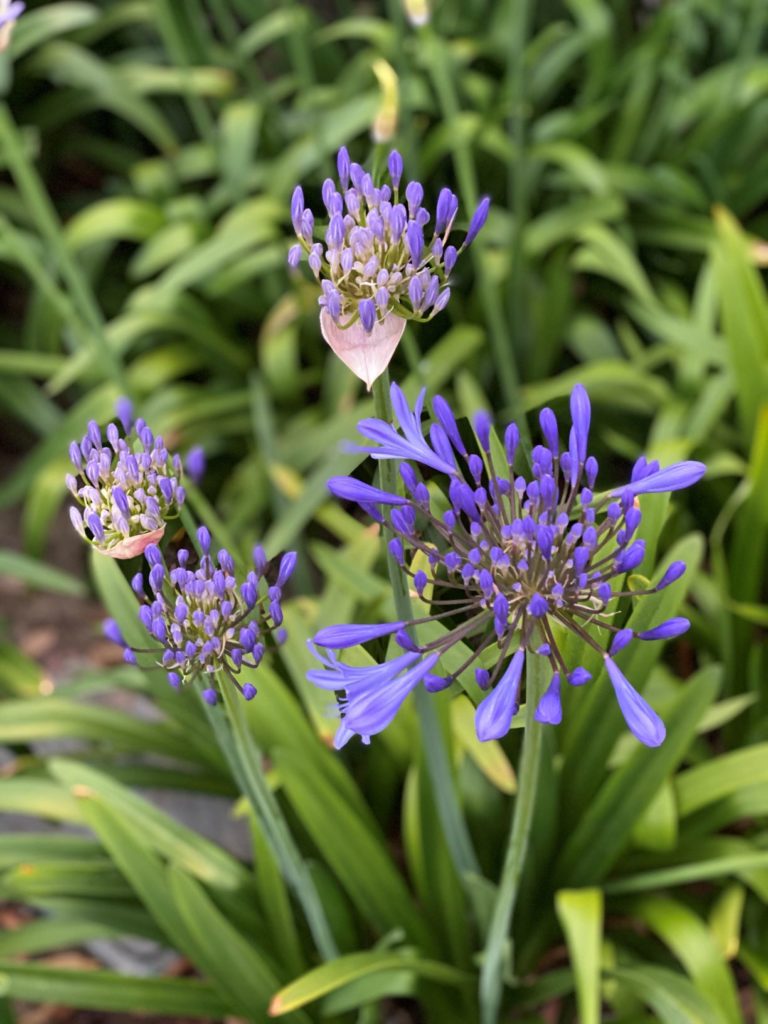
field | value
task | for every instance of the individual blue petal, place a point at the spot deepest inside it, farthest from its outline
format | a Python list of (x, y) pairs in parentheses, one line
[(620, 640), (343, 735), (671, 478), (479, 218), (367, 311), (112, 632), (671, 575), (353, 490), (579, 676), (642, 720), (666, 630), (631, 557), (548, 424), (445, 415), (550, 709), (580, 414), (335, 675), (287, 565), (392, 445), (482, 423), (341, 637), (124, 411), (494, 714), (538, 606), (395, 168)]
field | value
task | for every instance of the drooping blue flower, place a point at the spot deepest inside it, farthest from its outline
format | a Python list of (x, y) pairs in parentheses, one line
[(372, 695), (127, 488), (509, 561), (206, 622)]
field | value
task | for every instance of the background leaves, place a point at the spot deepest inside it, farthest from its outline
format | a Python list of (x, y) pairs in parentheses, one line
[(149, 151)]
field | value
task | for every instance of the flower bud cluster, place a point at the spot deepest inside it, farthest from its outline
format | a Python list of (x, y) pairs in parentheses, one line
[(203, 620), (126, 489), (382, 252)]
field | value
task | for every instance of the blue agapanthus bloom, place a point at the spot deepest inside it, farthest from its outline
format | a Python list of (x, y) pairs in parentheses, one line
[(382, 251), (204, 622), (511, 562), (127, 488)]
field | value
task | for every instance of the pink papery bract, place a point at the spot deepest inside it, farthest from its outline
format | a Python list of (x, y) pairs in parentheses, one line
[(366, 354), (132, 546)]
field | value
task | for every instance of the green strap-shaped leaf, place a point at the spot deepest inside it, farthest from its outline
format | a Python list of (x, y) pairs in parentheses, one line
[(235, 965), (354, 851), (347, 969), (105, 991), (672, 997), (26, 721), (691, 941), (603, 831), (157, 830), (580, 912), (597, 721), (720, 777)]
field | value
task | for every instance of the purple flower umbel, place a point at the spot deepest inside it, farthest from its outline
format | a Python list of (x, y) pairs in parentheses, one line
[(382, 251), (127, 488), (203, 621), (511, 562)]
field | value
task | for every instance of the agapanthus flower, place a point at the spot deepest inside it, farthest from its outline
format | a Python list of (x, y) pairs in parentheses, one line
[(127, 488), (383, 259), (10, 12), (205, 623), (507, 563)]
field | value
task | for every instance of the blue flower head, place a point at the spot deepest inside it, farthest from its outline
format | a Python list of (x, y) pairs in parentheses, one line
[(202, 622), (381, 252), (512, 561), (126, 489)]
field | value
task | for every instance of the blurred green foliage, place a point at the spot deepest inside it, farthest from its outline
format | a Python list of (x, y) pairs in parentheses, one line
[(149, 150)]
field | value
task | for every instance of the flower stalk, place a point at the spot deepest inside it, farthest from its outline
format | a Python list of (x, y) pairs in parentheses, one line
[(246, 762), (436, 756), (492, 969)]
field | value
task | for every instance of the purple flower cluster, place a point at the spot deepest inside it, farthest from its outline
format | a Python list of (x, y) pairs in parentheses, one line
[(203, 620), (377, 256), (127, 488), (511, 563)]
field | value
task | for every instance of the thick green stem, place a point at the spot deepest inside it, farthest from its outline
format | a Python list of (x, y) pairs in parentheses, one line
[(245, 760), (492, 970), (436, 756)]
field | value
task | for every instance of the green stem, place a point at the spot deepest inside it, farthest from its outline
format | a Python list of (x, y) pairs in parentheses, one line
[(38, 203), (492, 970), (245, 760), (436, 756)]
